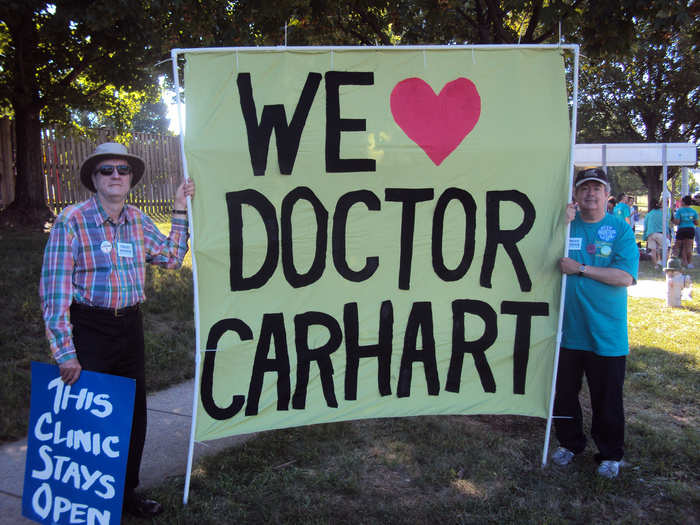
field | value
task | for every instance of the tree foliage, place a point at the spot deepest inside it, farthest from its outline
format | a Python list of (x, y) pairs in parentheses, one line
[(651, 94), (63, 58), (604, 27), (69, 61)]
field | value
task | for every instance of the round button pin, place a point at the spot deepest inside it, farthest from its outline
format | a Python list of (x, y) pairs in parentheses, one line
[(106, 246)]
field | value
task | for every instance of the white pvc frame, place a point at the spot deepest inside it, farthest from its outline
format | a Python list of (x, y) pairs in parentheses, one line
[(573, 48)]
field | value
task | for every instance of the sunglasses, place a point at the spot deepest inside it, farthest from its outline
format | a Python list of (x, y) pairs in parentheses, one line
[(107, 169)]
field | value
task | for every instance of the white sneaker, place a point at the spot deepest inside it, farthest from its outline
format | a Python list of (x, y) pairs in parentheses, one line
[(609, 469), (562, 456), (691, 265)]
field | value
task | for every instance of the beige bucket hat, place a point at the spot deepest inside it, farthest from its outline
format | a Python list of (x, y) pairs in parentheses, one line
[(110, 150)]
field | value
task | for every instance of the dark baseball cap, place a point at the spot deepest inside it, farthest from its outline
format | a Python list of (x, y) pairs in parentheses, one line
[(595, 174)]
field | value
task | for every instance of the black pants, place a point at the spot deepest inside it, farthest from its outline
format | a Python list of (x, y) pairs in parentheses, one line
[(605, 376), (114, 345)]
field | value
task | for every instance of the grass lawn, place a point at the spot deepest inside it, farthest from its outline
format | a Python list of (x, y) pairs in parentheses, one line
[(167, 314), (448, 469), (473, 469)]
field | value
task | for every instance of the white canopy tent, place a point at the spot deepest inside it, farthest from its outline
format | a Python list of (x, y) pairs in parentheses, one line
[(671, 154)]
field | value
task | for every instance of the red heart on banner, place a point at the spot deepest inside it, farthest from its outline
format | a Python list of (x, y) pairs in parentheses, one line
[(437, 123)]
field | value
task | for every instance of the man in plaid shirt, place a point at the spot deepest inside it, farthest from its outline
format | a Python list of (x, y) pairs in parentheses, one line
[(92, 283)]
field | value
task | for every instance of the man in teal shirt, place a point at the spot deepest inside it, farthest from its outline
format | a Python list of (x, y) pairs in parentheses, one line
[(622, 209), (603, 261), (654, 233)]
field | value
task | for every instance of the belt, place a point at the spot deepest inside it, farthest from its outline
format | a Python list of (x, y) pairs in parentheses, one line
[(116, 312)]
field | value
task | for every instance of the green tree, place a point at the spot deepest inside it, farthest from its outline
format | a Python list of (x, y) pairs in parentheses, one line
[(650, 95), (70, 56), (150, 118), (67, 56), (603, 26)]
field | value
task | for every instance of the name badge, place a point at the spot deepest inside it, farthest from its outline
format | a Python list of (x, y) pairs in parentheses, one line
[(125, 249), (575, 243)]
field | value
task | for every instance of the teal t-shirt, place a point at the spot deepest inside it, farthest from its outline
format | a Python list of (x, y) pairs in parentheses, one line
[(621, 210), (595, 313), (653, 222), (686, 215)]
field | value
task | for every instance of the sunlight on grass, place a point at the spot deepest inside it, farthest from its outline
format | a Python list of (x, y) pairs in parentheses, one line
[(653, 324), (468, 488)]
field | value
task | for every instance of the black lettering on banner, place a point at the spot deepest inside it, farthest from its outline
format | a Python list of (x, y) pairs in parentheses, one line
[(508, 238), (293, 277), (477, 347), (207, 387), (524, 311), (355, 351), (421, 317), (273, 116), (409, 197), (234, 202), (467, 202), (272, 328), (340, 219), (335, 125), (322, 356)]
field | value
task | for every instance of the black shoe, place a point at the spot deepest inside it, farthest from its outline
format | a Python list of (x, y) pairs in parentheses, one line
[(141, 507)]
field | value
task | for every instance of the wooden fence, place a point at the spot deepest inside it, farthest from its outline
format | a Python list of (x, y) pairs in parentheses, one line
[(62, 156)]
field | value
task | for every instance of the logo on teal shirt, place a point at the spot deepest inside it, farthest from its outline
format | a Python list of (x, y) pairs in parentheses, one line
[(607, 233)]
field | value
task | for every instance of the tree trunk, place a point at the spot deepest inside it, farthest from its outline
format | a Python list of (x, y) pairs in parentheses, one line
[(29, 190), (653, 182), (29, 207)]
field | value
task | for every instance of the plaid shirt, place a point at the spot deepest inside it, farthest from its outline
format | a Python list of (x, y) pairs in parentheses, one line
[(90, 260)]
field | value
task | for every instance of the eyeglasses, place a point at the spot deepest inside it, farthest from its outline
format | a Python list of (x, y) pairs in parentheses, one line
[(107, 169)]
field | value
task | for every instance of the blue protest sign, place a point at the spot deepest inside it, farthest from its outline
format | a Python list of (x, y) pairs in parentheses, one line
[(77, 447)]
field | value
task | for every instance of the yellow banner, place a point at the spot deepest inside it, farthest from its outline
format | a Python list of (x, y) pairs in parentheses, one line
[(376, 232)]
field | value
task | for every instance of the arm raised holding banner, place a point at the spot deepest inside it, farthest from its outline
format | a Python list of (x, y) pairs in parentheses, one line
[(93, 281)]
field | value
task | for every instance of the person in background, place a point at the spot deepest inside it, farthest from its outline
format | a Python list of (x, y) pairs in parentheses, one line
[(611, 205), (92, 283), (634, 215), (696, 207), (654, 234), (622, 209), (686, 219), (603, 261)]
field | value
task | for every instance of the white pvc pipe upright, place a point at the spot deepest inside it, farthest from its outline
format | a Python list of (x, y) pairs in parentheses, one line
[(574, 113), (664, 198), (193, 426)]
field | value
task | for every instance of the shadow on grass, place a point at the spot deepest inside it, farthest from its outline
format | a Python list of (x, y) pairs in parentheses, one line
[(428, 469), (668, 376), (692, 307)]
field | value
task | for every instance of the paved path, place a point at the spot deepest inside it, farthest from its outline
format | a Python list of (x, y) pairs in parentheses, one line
[(165, 454), (169, 416), (648, 288)]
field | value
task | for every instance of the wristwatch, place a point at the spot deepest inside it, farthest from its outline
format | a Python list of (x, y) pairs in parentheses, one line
[(581, 270)]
